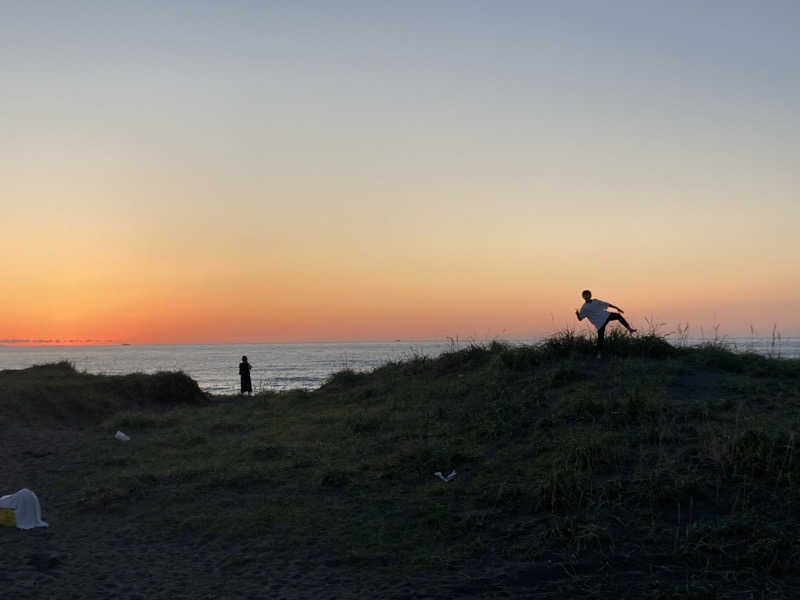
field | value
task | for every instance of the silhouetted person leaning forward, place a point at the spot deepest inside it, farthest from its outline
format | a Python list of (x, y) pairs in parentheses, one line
[(244, 374), (595, 310)]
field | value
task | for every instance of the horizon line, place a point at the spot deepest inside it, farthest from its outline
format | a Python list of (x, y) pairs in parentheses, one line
[(58, 343)]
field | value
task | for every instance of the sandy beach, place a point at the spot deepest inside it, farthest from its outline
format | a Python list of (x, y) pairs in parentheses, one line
[(100, 555)]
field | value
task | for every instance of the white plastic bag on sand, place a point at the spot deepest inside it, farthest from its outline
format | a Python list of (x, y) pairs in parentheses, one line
[(121, 436), (25, 505), (443, 478)]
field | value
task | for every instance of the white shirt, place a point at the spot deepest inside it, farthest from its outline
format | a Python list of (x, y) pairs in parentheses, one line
[(595, 311)]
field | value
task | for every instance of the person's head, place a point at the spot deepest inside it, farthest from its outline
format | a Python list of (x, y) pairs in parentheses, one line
[(244, 359), (587, 295)]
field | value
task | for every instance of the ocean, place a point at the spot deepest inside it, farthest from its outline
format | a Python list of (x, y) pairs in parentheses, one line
[(281, 366)]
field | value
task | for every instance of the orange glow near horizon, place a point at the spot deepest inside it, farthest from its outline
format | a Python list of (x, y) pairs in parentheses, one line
[(213, 282), (433, 304)]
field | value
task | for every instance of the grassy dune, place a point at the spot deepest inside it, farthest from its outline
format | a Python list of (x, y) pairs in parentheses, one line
[(57, 393), (653, 471)]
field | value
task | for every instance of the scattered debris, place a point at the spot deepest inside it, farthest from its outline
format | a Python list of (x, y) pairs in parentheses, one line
[(21, 509), (447, 478), (121, 436)]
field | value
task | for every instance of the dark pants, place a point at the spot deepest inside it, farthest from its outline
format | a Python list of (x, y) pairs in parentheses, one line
[(601, 333)]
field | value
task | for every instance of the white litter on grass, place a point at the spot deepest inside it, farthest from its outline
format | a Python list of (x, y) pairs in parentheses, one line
[(121, 436), (443, 478)]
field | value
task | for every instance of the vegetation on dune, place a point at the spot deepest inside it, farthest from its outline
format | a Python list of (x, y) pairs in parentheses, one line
[(675, 462), (59, 393)]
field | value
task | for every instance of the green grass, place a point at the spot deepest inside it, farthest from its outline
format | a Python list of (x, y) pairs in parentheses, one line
[(683, 459), (58, 393)]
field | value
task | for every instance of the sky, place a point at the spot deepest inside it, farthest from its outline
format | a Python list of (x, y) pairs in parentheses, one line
[(198, 171)]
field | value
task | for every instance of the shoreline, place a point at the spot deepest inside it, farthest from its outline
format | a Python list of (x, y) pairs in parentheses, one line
[(279, 367)]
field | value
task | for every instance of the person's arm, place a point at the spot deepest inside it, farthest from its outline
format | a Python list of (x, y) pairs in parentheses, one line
[(615, 308), (580, 317)]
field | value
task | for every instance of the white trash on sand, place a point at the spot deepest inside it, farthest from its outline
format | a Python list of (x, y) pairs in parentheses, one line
[(27, 511), (445, 478)]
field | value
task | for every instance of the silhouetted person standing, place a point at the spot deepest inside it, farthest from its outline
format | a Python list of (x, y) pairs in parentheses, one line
[(244, 374), (595, 310)]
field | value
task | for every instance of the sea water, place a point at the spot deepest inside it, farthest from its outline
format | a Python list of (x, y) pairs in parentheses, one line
[(215, 367), (283, 366)]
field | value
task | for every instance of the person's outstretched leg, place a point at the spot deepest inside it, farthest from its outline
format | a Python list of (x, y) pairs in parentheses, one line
[(618, 317)]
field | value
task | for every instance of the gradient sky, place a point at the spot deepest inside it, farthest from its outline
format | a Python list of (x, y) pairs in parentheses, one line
[(256, 171)]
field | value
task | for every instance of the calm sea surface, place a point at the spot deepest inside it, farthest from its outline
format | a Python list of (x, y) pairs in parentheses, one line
[(277, 366)]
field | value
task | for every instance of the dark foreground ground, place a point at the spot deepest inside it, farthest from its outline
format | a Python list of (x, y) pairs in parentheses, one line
[(96, 555), (652, 473)]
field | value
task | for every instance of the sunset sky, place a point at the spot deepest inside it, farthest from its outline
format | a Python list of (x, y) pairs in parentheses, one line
[(200, 171)]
